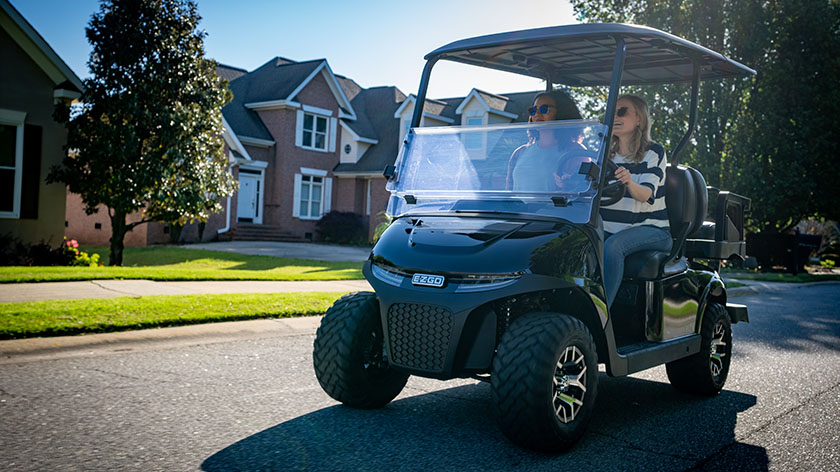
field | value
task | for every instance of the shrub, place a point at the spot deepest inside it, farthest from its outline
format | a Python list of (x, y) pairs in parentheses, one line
[(77, 257), (16, 253), (341, 227), (381, 227)]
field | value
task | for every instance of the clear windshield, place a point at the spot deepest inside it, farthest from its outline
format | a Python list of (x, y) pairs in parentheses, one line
[(531, 168)]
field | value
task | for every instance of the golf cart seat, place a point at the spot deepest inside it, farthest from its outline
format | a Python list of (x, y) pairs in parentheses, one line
[(721, 237), (686, 201)]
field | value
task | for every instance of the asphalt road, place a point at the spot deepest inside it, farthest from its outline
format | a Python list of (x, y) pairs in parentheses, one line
[(254, 404)]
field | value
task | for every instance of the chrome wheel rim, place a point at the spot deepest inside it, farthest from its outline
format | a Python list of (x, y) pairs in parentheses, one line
[(373, 354), (569, 384), (717, 351)]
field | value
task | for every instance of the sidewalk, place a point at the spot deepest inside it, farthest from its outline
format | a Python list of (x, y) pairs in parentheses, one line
[(138, 288)]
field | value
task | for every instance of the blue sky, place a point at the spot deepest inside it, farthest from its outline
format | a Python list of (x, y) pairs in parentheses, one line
[(373, 42)]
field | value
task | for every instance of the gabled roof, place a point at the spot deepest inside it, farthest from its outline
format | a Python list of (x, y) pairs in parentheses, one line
[(441, 110), (362, 125), (490, 102), (276, 82), (377, 105), (243, 122), (229, 73), (349, 86), (37, 48)]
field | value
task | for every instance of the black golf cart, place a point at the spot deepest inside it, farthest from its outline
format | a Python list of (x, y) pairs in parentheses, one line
[(479, 278)]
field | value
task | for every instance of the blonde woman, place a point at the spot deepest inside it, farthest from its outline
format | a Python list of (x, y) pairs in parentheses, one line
[(639, 221)]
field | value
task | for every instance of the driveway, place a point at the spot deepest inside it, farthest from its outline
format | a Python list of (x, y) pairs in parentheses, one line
[(316, 251)]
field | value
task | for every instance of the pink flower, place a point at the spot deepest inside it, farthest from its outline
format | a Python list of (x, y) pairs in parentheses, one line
[(74, 243)]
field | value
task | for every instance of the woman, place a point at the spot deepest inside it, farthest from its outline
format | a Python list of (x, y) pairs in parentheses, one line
[(528, 163), (639, 221)]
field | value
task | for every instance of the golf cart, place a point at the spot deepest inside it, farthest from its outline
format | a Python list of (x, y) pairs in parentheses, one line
[(476, 277)]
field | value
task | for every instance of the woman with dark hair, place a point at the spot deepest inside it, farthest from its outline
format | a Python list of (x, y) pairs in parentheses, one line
[(527, 164), (639, 221)]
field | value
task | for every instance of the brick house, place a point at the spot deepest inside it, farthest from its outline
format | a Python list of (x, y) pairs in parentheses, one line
[(307, 141), (303, 141), (32, 79)]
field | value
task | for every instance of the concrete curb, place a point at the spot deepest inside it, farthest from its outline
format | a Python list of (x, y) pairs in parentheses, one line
[(17, 351)]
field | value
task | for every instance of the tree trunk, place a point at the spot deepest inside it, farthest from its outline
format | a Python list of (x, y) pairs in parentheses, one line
[(118, 230), (175, 230)]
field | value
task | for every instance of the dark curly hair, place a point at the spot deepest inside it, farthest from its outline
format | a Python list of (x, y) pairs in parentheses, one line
[(566, 107)]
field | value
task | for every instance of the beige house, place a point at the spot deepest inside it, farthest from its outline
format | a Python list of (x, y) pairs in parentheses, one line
[(32, 79)]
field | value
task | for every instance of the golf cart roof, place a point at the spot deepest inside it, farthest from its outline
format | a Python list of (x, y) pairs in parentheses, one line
[(582, 55)]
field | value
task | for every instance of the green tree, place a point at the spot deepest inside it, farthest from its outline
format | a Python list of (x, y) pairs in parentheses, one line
[(759, 137), (147, 137), (784, 145)]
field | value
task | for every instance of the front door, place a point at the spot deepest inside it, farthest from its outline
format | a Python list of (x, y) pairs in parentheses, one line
[(247, 209)]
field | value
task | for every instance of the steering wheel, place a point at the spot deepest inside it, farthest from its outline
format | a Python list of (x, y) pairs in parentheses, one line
[(612, 191)]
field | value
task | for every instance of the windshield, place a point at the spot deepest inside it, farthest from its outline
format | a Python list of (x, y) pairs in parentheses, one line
[(529, 168)]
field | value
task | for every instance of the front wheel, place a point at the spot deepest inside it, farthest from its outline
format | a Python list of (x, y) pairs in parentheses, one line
[(545, 380), (705, 373), (349, 357)]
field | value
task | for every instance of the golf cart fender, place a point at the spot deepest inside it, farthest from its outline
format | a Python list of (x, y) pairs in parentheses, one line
[(715, 292)]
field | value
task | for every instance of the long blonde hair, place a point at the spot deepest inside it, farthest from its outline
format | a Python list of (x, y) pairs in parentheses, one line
[(641, 136)]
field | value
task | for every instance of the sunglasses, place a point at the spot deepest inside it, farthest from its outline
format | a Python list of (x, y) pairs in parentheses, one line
[(622, 111), (543, 109)]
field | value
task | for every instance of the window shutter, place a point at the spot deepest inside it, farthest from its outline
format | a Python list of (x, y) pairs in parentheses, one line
[(31, 178), (299, 129), (327, 195), (332, 133), (296, 199)]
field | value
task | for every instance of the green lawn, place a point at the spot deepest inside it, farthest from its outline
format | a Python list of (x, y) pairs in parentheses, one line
[(178, 263), (64, 317)]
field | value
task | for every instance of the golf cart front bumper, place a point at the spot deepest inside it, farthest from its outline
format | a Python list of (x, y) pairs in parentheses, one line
[(445, 332)]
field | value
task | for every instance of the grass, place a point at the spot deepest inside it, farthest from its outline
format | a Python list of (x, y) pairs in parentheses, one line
[(65, 317), (779, 277), (177, 263)]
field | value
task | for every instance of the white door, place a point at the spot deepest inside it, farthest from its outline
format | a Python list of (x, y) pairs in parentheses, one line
[(246, 208)]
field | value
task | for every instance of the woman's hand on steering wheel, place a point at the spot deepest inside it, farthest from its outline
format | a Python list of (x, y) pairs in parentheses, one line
[(614, 189)]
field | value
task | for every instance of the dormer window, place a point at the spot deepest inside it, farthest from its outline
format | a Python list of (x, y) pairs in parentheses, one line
[(314, 132)]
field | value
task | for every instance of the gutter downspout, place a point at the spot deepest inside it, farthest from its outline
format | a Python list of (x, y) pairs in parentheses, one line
[(227, 216)]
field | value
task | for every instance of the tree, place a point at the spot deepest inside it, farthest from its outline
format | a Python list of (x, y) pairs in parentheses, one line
[(147, 136), (760, 136)]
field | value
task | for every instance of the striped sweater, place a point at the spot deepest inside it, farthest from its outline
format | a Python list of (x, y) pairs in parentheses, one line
[(628, 211)]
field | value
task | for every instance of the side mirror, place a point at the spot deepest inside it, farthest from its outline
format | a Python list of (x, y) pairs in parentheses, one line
[(389, 172)]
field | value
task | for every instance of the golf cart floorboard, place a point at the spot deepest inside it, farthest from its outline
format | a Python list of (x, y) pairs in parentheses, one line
[(647, 354)]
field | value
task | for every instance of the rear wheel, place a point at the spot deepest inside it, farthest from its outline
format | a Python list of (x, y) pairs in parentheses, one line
[(545, 380), (705, 373), (349, 357)]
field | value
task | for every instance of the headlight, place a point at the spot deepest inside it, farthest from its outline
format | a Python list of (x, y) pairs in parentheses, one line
[(463, 282)]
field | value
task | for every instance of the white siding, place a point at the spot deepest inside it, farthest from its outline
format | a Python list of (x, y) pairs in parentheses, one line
[(352, 158)]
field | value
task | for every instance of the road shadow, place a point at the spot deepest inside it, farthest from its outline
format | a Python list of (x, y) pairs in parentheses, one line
[(640, 425), (792, 317)]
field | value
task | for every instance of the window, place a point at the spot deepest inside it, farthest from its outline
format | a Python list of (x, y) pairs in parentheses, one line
[(314, 132), (11, 162), (311, 192), (473, 140)]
